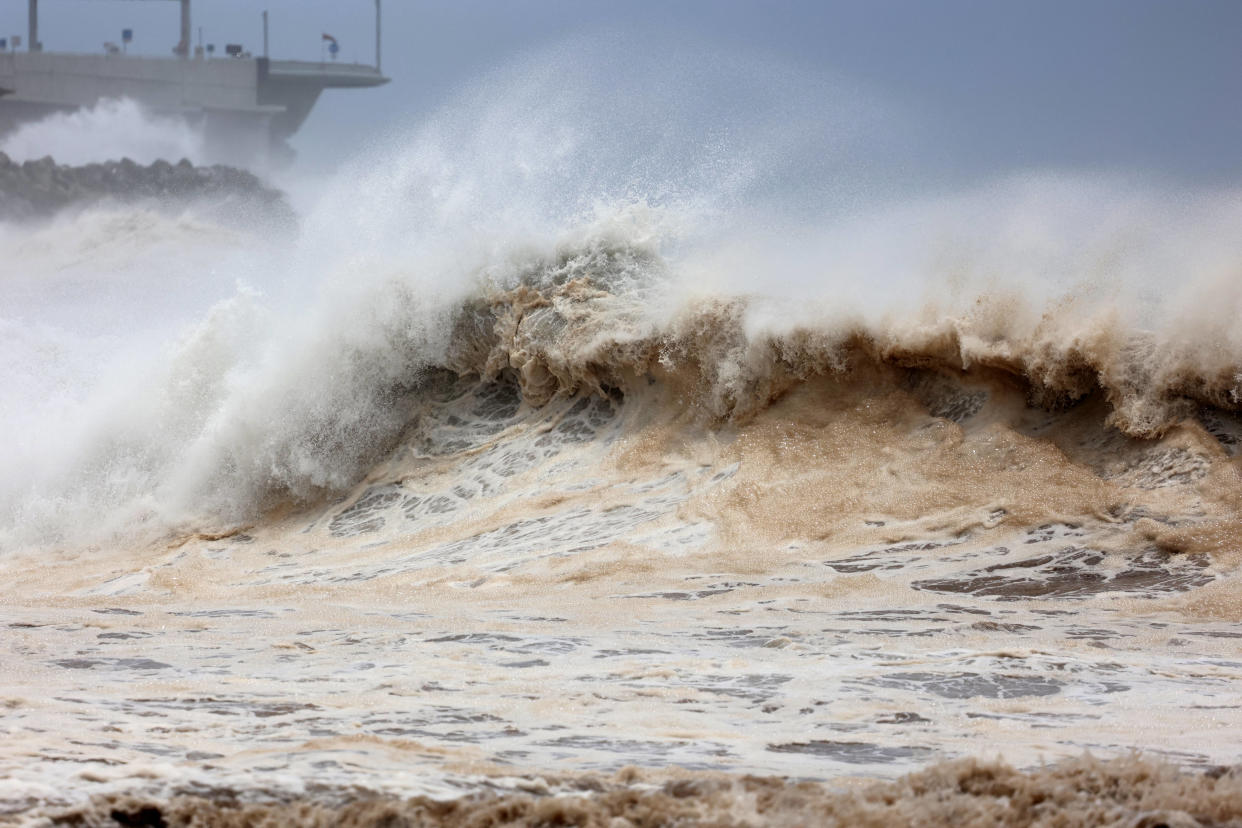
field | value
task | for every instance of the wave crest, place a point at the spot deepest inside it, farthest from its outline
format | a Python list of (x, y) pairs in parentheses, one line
[(564, 329)]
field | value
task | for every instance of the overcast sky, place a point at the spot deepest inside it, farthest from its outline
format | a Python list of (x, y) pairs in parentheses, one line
[(1129, 84)]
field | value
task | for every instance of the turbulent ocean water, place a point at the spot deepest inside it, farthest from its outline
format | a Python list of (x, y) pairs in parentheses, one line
[(589, 483)]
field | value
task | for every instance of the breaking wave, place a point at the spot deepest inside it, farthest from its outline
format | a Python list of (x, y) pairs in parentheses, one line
[(536, 238), (1083, 792), (118, 128), (235, 421), (574, 437)]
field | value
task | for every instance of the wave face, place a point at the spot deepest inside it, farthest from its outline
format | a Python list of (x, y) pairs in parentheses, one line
[(527, 457)]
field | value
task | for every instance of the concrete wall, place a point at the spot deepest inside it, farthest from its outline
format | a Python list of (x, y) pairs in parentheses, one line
[(247, 106), (64, 80)]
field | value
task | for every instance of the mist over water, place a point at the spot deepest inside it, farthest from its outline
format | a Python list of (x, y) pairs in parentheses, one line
[(702, 341)]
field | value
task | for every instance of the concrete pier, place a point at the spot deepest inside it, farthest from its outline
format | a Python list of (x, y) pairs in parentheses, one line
[(240, 100)]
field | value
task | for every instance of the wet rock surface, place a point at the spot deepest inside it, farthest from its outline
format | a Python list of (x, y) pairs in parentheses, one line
[(37, 189)]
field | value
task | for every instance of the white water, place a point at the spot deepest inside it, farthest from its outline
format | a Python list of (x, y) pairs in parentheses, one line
[(191, 370), (430, 575), (109, 131)]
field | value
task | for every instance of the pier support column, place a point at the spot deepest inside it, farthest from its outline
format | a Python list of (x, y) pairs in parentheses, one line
[(33, 31), (183, 48)]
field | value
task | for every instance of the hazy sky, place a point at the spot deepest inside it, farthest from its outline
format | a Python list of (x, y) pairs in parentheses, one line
[(1130, 84)]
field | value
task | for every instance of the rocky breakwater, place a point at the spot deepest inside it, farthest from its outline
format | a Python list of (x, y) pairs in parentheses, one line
[(36, 189)]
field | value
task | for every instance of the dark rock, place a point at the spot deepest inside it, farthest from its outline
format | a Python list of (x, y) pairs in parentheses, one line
[(37, 189)]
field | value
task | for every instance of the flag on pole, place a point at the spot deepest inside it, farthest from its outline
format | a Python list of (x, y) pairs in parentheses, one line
[(329, 38)]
